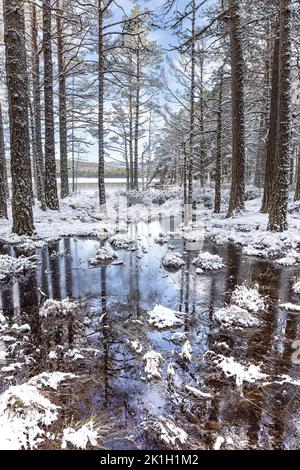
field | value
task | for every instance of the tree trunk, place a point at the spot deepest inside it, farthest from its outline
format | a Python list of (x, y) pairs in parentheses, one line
[(3, 173), (278, 212), (192, 108), (101, 183), (50, 165), (137, 117), (18, 99), (131, 134), (201, 124), (218, 174), (259, 164), (237, 193), (62, 106), (36, 87), (272, 135), (297, 190)]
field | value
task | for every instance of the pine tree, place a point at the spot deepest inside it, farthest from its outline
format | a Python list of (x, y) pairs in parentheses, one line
[(237, 193), (62, 107), (3, 173), (50, 165), (18, 100), (36, 109), (278, 212)]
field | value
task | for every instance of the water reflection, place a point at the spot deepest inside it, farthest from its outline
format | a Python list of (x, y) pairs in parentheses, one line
[(120, 296)]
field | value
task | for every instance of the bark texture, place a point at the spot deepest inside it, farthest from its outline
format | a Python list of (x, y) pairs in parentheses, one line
[(18, 100), (3, 173), (50, 165), (278, 211), (237, 193), (62, 105)]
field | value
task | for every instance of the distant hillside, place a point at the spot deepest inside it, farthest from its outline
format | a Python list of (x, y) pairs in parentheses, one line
[(90, 169)]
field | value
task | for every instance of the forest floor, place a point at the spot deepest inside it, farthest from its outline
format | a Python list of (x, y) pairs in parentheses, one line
[(135, 329)]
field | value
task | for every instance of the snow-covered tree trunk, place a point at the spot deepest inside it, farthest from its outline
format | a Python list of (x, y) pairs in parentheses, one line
[(201, 121), (259, 164), (101, 183), (237, 193), (130, 117), (218, 172), (50, 165), (297, 190), (272, 134), (192, 108), (137, 118), (62, 106), (3, 173), (18, 99), (36, 91), (279, 206)]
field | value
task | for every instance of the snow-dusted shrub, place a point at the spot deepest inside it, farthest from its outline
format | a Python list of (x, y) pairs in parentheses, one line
[(236, 316), (163, 317), (152, 360), (173, 260), (103, 255), (11, 267), (119, 242), (208, 261), (248, 298), (161, 239), (53, 308)]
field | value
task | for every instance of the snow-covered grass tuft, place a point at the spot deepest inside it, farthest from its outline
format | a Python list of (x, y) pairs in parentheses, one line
[(186, 352), (11, 267), (105, 254), (165, 431), (242, 373), (80, 438), (53, 308), (153, 360), (50, 379), (25, 413), (173, 261), (163, 317), (236, 317), (119, 242), (248, 298), (296, 287), (208, 261)]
